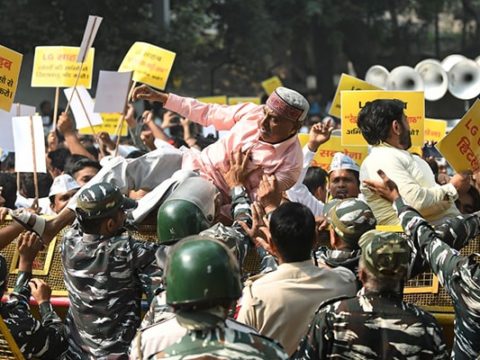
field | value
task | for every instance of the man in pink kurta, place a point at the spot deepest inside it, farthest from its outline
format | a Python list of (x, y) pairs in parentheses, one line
[(269, 131)]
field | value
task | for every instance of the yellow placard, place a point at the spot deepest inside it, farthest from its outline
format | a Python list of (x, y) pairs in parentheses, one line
[(56, 66), (150, 64), (434, 130), (461, 147), (10, 63), (239, 100), (353, 101), (222, 100), (110, 122), (324, 155), (351, 83), (271, 84)]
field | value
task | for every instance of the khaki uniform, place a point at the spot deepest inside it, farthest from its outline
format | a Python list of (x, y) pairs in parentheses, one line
[(282, 303)]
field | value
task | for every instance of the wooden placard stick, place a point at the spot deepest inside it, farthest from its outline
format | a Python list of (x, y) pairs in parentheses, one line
[(35, 176), (74, 87), (55, 108)]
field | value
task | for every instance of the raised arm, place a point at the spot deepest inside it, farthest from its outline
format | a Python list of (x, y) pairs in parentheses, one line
[(222, 117), (444, 261), (65, 126), (319, 134)]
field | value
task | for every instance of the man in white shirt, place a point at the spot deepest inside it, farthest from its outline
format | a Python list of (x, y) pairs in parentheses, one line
[(343, 179), (385, 127)]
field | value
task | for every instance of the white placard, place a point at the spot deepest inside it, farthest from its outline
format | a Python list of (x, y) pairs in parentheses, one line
[(207, 130), (82, 107), (89, 34), (112, 91), (6, 130), (23, 139)]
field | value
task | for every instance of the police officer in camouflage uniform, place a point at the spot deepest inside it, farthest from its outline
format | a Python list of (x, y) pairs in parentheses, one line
[(203, 282), (376, 324), (457, 273), (349, 219), (45, 339), (105, 273), (159, 327), (189, 210)]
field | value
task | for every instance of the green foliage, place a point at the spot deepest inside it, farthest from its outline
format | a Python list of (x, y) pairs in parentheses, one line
[(234, 44)]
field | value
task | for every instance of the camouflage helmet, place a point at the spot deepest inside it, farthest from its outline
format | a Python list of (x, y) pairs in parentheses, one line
[(329, 206), (201, 272), (101, 200), (350, 218), (385, 254), (189, 210)]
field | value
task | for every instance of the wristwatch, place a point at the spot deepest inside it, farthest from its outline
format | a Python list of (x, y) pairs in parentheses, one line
[(238, 191)]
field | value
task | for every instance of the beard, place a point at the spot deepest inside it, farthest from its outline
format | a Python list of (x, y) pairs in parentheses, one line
[(405, 138)]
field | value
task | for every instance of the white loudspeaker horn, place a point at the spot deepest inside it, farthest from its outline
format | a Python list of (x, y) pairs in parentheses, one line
[(451, 60), (464, 79), (435, 79), (377, 75), (404, 78)]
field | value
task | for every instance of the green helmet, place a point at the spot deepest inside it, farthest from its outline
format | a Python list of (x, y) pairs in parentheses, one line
[(385, 254), (189, 210), (201, 271), (101, 200), (350, 218)]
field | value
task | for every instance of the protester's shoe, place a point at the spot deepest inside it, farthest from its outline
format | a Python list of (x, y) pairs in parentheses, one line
[(29, 221)]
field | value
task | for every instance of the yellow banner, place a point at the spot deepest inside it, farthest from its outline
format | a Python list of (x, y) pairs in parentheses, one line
[(222, 100), (325, 152), (351, 83), (461, 147), (110, 122), (353, 101), (56, 66), (150, 64), (239, 100), (434, 130), (10, 63), (271, 84)]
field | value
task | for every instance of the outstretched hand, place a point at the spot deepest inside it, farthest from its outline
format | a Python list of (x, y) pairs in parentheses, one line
[(238, 171), (259, 232), (319, 134), (28, 244), (144, 92), (268, 193), (40, 290), (385, 188)]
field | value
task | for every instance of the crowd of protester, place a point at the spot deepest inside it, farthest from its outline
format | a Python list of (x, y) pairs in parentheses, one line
[(327, 284)]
